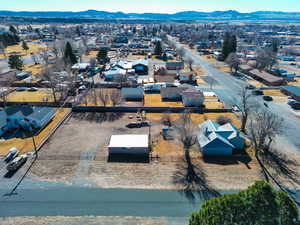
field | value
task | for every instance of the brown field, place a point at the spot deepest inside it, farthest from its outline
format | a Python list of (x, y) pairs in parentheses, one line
[(223, 68), (43, 95), (296, 82), (33, 48), (26, 145), (209, 58), (34, 69), (214, 105), (155, 100), (274, 92), (197, 118)]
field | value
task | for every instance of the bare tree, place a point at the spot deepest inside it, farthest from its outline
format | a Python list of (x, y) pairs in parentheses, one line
[(166, 119), (116, 97), (34, 58), (190, 62), (103, 96), (246, 107), (45, 56), (186, 130), (211, 81), (2, 49), (180, 52), (263, 128), (48, 75), (265, 59), (233, 62)]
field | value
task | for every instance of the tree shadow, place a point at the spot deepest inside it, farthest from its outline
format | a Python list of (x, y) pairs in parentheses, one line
[(193, 179), (281, 166), (99, 117)]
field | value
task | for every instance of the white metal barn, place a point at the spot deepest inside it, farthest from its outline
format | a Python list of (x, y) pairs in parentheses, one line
[(131, 144)]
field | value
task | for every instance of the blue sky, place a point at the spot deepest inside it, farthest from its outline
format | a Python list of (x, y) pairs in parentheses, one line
[(165, 6)]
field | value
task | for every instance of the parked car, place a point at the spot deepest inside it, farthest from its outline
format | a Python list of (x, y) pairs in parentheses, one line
[(21, 89), (250, 87), (134, 125), (257, 92), (267, 98), (291, 102), (33, 89), (296, 106), (13, 153), (82, 88), (17, 163)]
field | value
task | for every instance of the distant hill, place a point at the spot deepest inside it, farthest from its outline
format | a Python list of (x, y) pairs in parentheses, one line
[(188, 15)]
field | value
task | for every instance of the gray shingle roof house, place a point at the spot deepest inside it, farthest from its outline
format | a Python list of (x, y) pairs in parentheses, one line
[(140, 66), (17, 120), (215, 139), (266, 78), (175, 65), (133, 94)]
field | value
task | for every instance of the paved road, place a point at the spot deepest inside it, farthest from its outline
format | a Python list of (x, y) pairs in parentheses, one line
[(228, 90), (72, 201)]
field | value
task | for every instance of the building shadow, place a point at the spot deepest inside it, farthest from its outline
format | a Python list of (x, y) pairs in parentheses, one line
[(128, 158), (229, 160), (98, 117)]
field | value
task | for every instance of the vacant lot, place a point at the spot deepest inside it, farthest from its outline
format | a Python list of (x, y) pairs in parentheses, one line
[(42, 95), (83, 138)]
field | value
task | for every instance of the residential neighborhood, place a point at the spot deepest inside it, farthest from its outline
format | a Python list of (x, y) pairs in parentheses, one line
[(122, 118)]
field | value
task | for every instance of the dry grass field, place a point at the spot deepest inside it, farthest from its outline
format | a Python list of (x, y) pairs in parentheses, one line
[(197, 118), (34, 69), (42, 95), (276, 93), (209, 58), (33, 48), (155, 100)]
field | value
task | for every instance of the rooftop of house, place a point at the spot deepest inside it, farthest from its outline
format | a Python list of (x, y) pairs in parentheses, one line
[(295, 90), (129, 141), (264, 75)]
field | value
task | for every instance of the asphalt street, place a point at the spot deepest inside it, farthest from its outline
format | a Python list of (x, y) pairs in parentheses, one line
[(228, 89)]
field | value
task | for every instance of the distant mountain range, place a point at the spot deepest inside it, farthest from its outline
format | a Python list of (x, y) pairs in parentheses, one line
[(187, 15)]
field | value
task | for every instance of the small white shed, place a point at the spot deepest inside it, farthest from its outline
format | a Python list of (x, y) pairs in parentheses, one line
[(131, 144)]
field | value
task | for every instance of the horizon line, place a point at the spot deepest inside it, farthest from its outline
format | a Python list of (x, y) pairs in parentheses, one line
[(152, 12)]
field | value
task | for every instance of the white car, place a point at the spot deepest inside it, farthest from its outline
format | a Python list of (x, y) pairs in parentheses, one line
[(13, 153), (17, 163)]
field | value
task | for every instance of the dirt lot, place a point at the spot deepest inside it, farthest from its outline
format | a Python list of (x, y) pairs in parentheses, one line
[(80, 140), (77, 154)]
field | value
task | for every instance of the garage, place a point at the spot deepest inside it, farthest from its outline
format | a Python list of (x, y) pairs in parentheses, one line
[(133, 144)]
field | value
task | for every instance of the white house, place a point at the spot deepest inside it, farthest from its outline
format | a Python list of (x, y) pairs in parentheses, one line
[(215, 139), (80, 67), (133, 144)]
